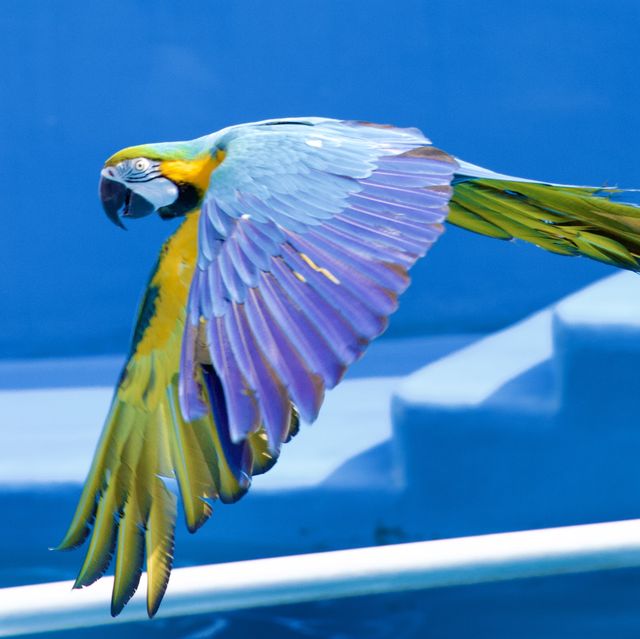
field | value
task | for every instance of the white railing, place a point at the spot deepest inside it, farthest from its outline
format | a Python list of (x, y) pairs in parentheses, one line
[(329, 575)]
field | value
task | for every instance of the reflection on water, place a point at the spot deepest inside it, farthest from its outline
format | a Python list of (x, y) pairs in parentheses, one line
[(378, 617)]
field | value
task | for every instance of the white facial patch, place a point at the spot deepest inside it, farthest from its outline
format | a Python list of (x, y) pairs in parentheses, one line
[(159, 191)]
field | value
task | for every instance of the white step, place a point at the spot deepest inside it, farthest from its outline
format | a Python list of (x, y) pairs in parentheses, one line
[(537, 425)]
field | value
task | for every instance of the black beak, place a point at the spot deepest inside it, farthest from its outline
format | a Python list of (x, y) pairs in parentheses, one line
[(118, 201)]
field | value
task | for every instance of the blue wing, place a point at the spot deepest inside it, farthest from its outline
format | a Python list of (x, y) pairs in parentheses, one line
[(307, 231)]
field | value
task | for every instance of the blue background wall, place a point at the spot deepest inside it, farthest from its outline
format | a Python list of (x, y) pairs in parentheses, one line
[(545, 89)]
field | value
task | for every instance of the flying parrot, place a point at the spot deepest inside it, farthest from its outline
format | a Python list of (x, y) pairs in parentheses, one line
[(296, 241)]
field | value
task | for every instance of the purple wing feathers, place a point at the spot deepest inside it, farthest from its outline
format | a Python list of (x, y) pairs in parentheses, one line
[(306, 237)]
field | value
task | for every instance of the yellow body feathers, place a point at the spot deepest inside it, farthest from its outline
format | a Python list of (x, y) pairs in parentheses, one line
[(146, 442)]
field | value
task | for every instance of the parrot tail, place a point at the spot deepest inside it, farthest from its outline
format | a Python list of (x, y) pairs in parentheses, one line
[(602, 223)]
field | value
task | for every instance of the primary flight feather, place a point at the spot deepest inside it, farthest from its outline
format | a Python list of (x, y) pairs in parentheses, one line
[(297, 239)]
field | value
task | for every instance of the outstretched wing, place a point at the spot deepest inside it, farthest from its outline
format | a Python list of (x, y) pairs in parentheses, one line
[(306, 235), (127, 504)]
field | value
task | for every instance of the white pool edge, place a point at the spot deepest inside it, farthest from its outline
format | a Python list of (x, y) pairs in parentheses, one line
[(333, 575)]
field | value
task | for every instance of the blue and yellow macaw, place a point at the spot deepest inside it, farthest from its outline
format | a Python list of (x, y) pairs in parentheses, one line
[(297, 239)]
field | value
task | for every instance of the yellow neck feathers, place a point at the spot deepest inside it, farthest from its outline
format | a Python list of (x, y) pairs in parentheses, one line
[(196, 172)]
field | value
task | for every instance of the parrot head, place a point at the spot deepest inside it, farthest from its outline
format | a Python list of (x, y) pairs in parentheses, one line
[(170, 179)]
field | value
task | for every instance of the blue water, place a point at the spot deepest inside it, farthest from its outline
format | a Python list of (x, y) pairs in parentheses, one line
[(590, 606)]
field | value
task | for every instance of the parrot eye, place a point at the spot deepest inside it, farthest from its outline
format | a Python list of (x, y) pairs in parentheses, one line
[(138, 170), (141, 164)]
